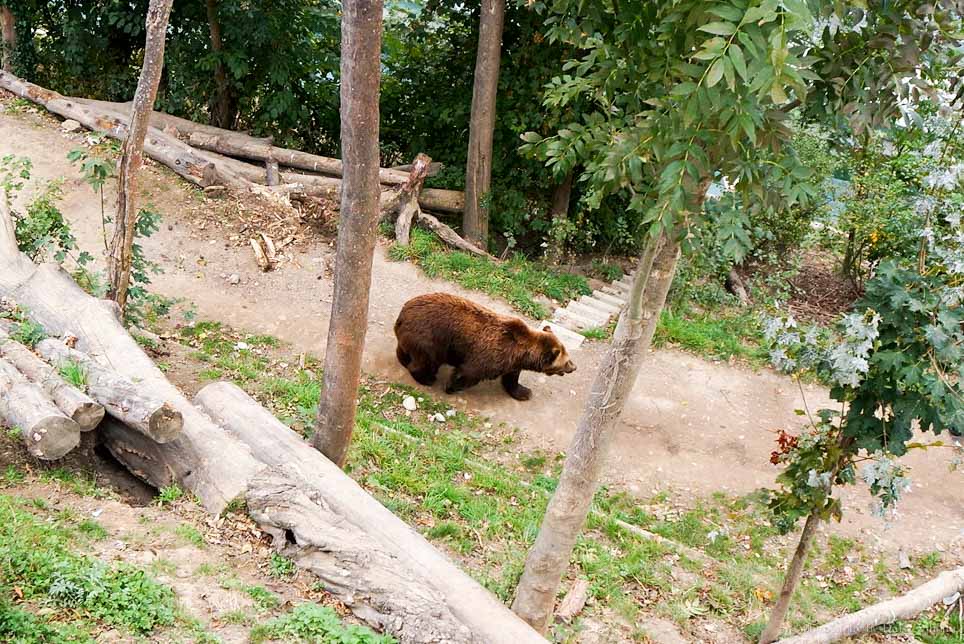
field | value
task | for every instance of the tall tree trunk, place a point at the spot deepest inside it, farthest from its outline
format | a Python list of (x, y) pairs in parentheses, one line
[(559, 212), (772, 631), (478, 168), (361, 35), (549, 557), (9, 39), (125, 222), (222, 106)]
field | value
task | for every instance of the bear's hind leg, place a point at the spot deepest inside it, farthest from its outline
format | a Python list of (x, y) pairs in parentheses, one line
[(461, 380), (510, 382)]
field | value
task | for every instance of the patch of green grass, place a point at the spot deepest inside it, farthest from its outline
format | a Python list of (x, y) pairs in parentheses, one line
[(190, 534), (720, 335), (516, 280), (238, 617), (168, 495), (314, 623), (80, 483), (28, 333), (280, 566), (13, 475), (92, 529), (264, 599), (930, 561), (18, 626), (75, 374), (595, 333), (233, 356), (37, 556)]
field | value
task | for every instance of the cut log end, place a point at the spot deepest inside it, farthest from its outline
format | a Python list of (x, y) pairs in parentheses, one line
[(165, 424), (88, 415), (51, 437)]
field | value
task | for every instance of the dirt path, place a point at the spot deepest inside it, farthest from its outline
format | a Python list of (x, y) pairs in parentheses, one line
[(691, 426)]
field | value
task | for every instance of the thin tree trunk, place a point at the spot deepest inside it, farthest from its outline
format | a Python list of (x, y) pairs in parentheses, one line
[(361, 35), (549, 557), (478, 168), (559, 212), (222, 107), (886, 612), (121, 249), (772, 631), (9, 40)]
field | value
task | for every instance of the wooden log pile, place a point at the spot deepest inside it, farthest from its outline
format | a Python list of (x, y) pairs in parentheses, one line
[(217, 159), (225, 447)]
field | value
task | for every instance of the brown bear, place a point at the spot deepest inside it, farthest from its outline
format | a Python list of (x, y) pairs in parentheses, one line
[(439, 328)]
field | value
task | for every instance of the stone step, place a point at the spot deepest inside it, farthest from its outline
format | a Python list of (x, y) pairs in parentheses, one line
[(608, 298), (573, 321), (605, 307), (625, 283), (570, 339), (617, 290), (600, 318)]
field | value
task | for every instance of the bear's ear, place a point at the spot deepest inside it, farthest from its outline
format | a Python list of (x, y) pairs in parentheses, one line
[(547, 329)]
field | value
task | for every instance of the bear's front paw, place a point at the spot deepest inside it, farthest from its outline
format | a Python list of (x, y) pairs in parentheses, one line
[(521, 393)]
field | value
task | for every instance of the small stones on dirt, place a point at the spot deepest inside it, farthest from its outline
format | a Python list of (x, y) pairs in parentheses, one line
[(903, 561), (451, 413), (70, 125), (409, 403), (438, 418), (234, 279)]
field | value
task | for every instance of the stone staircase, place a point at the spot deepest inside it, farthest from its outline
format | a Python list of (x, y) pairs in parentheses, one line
[(594, 311)]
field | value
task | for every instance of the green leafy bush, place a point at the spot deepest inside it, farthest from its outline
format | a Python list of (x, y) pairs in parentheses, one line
[(314, 623)]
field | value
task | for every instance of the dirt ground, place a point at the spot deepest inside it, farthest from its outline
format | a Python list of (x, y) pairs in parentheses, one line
[(691, 427)]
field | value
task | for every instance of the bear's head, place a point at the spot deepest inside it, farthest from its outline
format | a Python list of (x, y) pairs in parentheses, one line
[(555, 358)]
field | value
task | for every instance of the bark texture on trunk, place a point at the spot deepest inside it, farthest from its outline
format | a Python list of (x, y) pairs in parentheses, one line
[(790, 581), (478, 168), (548, 559), (8, 42), (74, 403), (134, 405), (559, 212), (47, 433), (132, 155), (223, 110), (906, 606), (361, 37)]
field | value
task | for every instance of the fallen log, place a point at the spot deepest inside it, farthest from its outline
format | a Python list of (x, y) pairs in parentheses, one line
[(449, 236), (487, 618), (74, 403), (134, 405), (440, 200), (904, 607), (235, 144), (162, 121), (194, 166), (46, 432)]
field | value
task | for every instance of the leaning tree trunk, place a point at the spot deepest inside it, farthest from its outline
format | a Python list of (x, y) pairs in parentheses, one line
[(794, 571), (478, 168), (904, 607), (9, 38), (121, 249), (549, 557), (222, 107), (361, 34)]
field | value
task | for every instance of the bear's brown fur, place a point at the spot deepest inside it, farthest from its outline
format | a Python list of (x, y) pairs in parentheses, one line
[(438, 329)]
